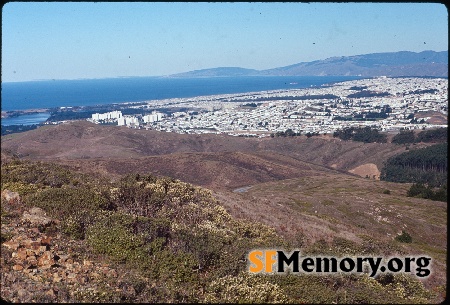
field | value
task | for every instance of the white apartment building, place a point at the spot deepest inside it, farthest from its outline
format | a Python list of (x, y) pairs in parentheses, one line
[(106, 116), (130, 121), (154, 117)]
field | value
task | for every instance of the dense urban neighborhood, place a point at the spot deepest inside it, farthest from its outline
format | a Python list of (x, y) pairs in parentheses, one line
[(387, 104)]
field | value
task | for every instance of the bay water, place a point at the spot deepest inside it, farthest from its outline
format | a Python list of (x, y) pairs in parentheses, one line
[(89, 92)]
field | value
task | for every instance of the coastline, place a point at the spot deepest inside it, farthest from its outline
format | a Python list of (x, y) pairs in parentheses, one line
[(55, 94), (315, 108), (15, 113)]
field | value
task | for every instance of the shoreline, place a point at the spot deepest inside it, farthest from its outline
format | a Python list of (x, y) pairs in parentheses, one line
[(16, 113), (320, 108), (131, 90)]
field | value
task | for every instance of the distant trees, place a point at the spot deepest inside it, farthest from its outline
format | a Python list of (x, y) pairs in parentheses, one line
[(69, 115), (439, 135), (367, 93), (342, 118), (386, 109), (404, 137), (376, 115), (287, 133), (422, 91), (357, 88), (17, 128), (360, 134), (426, 165), (427, 192), (290, 133), (416, 121)]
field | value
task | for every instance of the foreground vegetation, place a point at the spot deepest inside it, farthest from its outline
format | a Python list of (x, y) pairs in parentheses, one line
[(184, 242)]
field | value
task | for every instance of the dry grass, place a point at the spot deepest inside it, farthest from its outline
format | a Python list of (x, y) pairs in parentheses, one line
[(300, 186), (334, 205)]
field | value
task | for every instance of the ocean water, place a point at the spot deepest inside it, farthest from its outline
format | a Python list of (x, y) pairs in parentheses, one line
[(89, 92), (60, 93)]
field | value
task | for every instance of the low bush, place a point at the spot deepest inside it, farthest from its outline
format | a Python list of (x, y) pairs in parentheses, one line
[(244, 288), (404, 237), (60, 203), (182, 241)]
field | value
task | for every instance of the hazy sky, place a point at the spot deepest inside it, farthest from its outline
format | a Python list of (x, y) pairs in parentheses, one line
[(94, 40)]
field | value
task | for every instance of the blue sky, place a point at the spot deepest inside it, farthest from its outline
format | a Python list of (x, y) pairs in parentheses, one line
[(71, 40)]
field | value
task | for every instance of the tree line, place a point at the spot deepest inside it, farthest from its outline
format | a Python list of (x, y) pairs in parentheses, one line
[(290, 133), (361, 134), (439, 135), (17, 128), (425, 167)]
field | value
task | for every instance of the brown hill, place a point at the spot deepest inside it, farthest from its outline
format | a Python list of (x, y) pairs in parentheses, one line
[(208, 160), (220, 170)]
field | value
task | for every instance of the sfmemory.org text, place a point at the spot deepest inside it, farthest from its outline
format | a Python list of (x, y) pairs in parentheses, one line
[(277, 261)]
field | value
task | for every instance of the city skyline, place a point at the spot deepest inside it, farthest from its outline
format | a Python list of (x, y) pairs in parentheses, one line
[(49, 40)]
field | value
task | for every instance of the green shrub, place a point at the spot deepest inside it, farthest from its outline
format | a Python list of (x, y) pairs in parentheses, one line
[(421, 191), (36, 173), (112, 236), (62, 202), (73, 228), (76, 224), (405, 287), (22, 188), (404, 237)]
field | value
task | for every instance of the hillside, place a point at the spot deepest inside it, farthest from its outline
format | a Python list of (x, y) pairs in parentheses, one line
[(104, 218), (74, 237), (194, 158), (403, 63), (223, 71)]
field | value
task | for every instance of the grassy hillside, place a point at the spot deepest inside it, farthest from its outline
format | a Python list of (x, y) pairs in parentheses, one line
[(115, 149), (126, 217), (169, 241)]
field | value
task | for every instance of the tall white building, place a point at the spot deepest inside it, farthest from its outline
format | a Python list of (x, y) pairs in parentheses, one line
[(107, 116), (121, 121), (130, 121), (154, 117)]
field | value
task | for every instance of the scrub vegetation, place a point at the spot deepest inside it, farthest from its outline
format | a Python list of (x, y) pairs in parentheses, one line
[(182, 244)]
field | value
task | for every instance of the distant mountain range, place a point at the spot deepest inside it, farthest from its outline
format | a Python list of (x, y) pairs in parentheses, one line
[(403, 63)]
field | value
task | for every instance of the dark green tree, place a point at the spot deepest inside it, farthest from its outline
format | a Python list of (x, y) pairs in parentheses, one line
[(403, 137)]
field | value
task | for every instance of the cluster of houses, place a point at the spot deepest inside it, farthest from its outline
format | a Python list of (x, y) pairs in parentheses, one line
[(323, 109)]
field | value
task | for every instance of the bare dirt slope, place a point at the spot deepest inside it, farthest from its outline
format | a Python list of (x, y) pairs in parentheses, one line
[(369, 170)]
